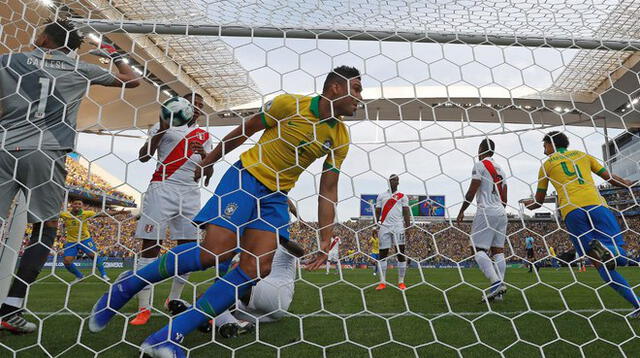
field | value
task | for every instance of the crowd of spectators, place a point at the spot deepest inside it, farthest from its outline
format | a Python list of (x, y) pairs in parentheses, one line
[(79, 177), (445, 242)]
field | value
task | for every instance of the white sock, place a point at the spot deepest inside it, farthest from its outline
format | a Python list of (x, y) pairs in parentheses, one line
[(178, 285), (402, 270), (383, 270), (486, 266), (501, 264), (224, 318), (144, 296), (14, 301), (328, 266)]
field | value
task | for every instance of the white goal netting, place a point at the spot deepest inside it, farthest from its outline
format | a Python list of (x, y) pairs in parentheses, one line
[(438, 78)]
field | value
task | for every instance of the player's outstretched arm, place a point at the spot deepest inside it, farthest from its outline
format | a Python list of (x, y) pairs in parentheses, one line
[(468, 198), (230, 142), (125, 74), (615, 180), (326, 215)]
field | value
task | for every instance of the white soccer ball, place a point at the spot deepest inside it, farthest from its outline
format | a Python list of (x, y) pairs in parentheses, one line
[(177, 110)]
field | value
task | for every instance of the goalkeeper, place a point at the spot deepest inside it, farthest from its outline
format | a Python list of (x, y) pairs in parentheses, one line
[(249, 208), (40, 95), (592, 227)]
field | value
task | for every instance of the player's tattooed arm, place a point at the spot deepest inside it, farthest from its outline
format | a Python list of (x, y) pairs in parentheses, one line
[(230, 142), (326, 215)]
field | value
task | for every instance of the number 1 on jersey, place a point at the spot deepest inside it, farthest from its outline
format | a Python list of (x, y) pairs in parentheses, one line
[(44, 95)]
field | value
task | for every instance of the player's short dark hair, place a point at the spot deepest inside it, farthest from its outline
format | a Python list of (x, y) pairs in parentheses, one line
[(341, 74), (393, 176), (64, 33), (558, 139), (192, 95), (80, 200), (487, 146)]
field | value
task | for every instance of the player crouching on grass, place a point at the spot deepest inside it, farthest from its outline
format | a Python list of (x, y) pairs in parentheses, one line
[(249, 207), (593, 229), (489, 229), (268, 301)]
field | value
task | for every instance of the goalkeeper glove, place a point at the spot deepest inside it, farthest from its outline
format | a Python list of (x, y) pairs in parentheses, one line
[(108, 52)]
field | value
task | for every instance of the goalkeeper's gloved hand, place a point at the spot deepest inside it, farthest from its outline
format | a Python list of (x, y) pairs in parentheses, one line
[(108, 51)]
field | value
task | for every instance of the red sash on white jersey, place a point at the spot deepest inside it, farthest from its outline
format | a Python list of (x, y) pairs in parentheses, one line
[(334, 243), (178, 157), (497, 179), (389, 205)]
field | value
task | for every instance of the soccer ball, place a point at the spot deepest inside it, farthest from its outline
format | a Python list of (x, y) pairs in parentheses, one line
[(177, 111)]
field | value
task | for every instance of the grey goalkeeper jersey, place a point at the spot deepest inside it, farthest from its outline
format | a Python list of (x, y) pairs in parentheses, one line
[(40, 95)]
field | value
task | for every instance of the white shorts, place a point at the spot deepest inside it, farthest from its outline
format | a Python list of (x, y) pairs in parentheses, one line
[(390, 237), (269, 302), (489, 230), (169, 205), (333, 256)]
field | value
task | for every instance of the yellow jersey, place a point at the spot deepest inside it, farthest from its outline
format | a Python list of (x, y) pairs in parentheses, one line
[(570, 173), (294, 138), (552, 251), (375, 245), (76, 226)]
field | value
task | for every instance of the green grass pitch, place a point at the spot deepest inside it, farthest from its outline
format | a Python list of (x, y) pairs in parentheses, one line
[(559, 314)]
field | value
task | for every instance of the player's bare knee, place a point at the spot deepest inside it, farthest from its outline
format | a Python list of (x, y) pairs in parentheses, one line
[(67, 260), (497, 250)]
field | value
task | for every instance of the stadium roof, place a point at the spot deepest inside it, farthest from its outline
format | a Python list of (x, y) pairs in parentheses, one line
[(581, 95)]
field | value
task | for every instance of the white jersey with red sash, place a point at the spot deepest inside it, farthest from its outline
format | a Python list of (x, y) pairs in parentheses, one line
[(334, 249), (492, 179), (391, 205), (176, 163)]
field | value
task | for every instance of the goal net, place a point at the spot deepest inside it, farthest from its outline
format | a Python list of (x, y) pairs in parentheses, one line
[(438, 79)]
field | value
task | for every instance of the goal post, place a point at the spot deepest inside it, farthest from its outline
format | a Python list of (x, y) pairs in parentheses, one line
[(160, 28)]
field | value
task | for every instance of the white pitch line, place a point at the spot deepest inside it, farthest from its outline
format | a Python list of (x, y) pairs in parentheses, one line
[(388, 314)]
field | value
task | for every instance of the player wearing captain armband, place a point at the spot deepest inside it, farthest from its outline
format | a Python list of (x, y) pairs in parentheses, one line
[(40, 96), (258, 183), (489, 228), (593, 228), (393, 217)]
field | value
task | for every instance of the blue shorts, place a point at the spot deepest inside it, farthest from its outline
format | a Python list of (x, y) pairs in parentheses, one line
[(375, 256), (86, 245), (241, 202), (594, 223)]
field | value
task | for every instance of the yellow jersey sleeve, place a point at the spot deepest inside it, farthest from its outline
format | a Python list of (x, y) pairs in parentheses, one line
[(596, 167), (65, 215), (88, 213), (543, 179), (275, 110)]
